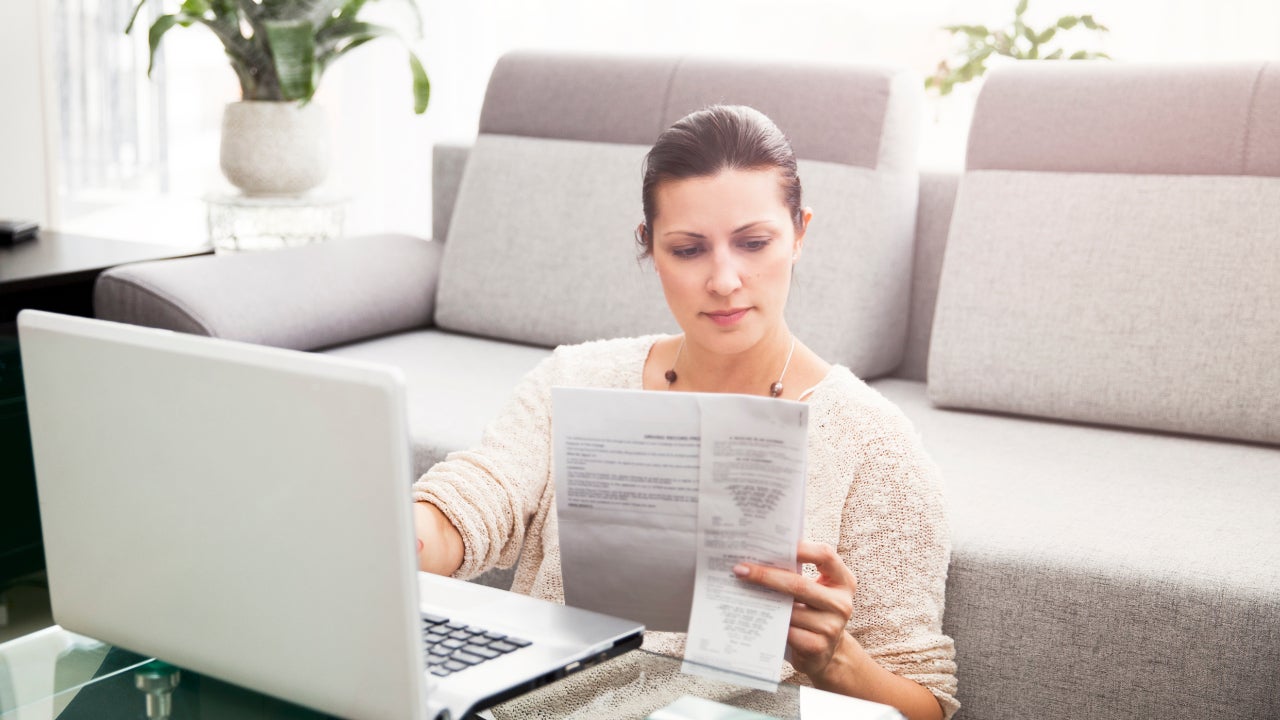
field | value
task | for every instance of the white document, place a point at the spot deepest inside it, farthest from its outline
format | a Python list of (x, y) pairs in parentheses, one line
[(658, 495)]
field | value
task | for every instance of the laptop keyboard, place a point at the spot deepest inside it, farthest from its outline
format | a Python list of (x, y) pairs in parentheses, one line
[(453, 646)]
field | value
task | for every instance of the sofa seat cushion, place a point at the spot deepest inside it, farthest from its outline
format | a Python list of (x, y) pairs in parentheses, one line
[(455, 384), (1103, 573)]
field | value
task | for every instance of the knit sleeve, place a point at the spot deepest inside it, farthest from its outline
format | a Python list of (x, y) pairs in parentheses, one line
[(491, 492), (895, 537)]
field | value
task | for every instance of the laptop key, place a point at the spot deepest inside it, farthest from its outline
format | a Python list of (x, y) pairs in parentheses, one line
[(441, 651), (518, 642), (455, 665), (466, 657), (480, 640), (460, 635), (483, 652), (502, 646), (494, 635), (430, 619), (453, 644), (455, 625), (440, 671)]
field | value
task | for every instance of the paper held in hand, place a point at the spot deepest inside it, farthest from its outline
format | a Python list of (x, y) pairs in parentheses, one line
[(659, 495)]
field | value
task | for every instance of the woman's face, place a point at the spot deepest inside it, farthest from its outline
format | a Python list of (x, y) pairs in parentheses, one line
[(723, 247)]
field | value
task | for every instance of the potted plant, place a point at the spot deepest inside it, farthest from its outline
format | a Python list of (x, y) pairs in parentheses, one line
[(1017, 40), (273, 139)]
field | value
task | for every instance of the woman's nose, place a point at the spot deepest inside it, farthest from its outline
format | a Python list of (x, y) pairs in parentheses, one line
[(725, 277)]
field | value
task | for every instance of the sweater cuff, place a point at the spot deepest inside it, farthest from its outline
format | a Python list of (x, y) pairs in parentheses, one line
[(446, 498)]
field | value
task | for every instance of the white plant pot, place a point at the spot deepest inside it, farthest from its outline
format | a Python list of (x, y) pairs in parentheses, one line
[(274, 148)]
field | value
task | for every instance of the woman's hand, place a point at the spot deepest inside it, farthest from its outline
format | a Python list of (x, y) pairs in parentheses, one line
[(822, 607)]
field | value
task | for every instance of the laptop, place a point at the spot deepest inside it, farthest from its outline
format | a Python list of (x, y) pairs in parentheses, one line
[(244, 512)]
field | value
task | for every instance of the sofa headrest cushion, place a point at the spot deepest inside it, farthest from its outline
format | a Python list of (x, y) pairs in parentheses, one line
[(1111, 118), (833, 113)]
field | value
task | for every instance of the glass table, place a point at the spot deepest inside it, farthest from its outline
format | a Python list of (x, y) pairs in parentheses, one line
[(57, 674)]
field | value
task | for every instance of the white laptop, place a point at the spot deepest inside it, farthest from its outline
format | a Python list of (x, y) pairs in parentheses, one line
[(244, 512)]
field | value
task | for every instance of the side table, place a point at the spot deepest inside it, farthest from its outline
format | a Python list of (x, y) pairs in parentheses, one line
[(240, 223)]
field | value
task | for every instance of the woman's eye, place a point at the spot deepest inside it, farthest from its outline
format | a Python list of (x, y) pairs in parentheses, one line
[(754, 244), (686, 252)]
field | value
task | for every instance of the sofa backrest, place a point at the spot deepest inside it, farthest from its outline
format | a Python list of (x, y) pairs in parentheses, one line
[(540, 245), (1113, 255)]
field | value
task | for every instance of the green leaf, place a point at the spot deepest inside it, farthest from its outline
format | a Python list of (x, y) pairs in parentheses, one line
[(133, 18), (1046, 36), (162, 25), (336, 40), (973, 31), (421, 85), (293, 52), (1055, 55), (1089, 22), (1068, 21), (195, 8), (1079, 55), (1022, 7)]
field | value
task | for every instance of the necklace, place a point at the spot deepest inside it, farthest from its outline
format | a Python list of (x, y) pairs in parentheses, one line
[(774, 390)]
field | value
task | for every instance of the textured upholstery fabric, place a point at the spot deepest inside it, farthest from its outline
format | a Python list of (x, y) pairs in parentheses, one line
[(1100, 573), (594, 98), (1145, 301), (848, 128), (852, 287), (455, 384), (1262, 148), (632, 100), (1097, 117), (559, 215), (541, 249), (300, 298), (933, 222), (447, 164)]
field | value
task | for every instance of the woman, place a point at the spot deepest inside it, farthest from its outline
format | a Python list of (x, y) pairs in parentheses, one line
[(724, 227)]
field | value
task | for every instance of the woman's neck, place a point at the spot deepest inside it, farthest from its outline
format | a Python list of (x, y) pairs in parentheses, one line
[(751, 371)]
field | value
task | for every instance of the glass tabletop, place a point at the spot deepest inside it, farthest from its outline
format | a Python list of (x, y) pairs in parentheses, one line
[(58, 674)]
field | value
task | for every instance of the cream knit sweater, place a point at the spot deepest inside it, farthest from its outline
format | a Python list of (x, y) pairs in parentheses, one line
[(872, 493)]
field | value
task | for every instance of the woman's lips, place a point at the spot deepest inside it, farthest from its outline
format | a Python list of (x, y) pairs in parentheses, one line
[(727, 317)]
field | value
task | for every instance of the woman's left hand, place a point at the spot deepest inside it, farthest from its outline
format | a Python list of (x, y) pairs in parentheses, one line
[(822, 606)]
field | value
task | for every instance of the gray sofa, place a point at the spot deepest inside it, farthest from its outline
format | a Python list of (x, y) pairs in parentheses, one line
[(1094, 302)]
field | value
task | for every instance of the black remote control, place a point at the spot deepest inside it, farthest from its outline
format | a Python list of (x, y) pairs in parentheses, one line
[(13, 231)]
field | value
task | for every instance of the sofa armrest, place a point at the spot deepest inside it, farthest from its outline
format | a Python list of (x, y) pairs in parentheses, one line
[(301, 298)]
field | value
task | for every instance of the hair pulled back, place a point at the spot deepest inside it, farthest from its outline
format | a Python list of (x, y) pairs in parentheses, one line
[(712, 140)]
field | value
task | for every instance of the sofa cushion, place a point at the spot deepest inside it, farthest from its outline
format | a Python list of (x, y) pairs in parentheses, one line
[(1141, 300), (1205, 119), (869, 114), (541, 251), (1112, 265), (1100, 573), (540, 247), (456, 385)]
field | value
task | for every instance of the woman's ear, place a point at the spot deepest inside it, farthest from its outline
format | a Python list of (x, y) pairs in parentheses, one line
[(806, 215)]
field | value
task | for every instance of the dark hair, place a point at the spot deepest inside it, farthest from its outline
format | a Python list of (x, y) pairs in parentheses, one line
[(706, 142)]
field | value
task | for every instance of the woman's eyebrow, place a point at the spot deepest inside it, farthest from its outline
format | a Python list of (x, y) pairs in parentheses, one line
[(700, 236)]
